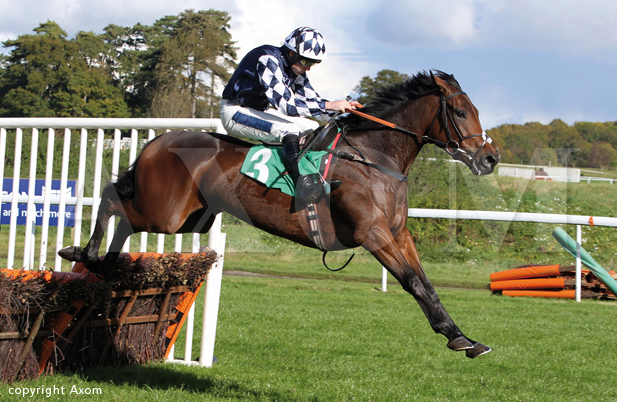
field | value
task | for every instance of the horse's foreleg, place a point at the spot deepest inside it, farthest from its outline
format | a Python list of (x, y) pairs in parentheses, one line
[(408, 247), (399, 256)]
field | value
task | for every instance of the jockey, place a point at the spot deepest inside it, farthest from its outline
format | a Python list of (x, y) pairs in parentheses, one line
[(270, 76)]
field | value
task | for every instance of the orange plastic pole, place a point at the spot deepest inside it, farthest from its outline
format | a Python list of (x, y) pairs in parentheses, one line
[(183, 307), (536, 283), (562, 294), (48, 276), (529, 272)]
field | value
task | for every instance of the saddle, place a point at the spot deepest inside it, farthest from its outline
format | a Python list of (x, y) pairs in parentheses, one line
[(320, 139)]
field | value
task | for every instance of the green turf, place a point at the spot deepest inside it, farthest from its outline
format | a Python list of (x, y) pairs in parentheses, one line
[(324, 340)]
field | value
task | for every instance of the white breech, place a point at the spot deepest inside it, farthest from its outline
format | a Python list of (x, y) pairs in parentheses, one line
[(270, 125)]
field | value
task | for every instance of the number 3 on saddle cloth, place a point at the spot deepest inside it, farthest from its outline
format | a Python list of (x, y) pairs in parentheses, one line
[(264, 163)]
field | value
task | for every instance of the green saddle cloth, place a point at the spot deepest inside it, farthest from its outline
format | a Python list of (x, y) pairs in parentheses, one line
[(265, 164)]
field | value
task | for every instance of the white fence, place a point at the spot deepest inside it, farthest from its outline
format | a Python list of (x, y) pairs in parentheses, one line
[(559, 219), (97, 133), (91, 132)]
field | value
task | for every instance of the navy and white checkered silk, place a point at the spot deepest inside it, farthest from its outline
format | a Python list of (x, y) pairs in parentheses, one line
[(297, 98)]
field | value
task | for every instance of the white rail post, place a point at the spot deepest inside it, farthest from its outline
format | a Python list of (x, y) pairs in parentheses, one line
[(2, 152), (579, 240), (384, 279), (80, 186), (10, 260), (115, 163), (96, 187), (143, 242), (132, 157), (2, 156), (212, 295), (51, 138), (31, 211), (160, 242), (64, 177)]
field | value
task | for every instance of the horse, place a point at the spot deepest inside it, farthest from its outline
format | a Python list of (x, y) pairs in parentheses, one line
[(182, 179)]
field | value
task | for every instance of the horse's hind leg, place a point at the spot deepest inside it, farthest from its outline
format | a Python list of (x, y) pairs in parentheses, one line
[(89, 255), (123, 231)]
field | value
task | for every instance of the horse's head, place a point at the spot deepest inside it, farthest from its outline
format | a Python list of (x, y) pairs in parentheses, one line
[(459, 131)]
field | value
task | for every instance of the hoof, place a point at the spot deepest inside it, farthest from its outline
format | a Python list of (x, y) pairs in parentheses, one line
[(460, 343), (72, 253), (478, 350)]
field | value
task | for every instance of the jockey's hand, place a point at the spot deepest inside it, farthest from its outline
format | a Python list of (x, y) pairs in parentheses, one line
[(341, 105)]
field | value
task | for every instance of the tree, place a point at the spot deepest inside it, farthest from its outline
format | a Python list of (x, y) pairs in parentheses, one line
[(368, 86), (168, 69), (199, 52), (601, 155), (48, 75), (570, 146), (132, 56)]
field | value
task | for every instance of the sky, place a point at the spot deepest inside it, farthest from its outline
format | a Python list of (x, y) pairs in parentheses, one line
[(518, 60)]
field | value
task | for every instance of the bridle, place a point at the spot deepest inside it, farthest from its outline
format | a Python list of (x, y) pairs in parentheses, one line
[(451, 146)]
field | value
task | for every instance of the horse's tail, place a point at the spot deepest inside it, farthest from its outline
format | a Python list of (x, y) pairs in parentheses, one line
[(124, 186)]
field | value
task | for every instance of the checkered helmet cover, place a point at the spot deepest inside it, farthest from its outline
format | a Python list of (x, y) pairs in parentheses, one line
[(307, 42)]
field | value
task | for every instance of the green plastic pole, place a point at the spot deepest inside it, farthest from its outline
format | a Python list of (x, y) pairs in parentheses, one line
[(569, 245)]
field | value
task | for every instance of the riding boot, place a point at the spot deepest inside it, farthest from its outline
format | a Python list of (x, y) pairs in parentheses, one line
[(306, 188)]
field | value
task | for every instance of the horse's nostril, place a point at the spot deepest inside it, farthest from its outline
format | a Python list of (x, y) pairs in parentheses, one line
[(490, 160)]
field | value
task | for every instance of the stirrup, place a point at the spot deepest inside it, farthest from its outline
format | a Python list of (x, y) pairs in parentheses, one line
[(334, 184), (307, 189)]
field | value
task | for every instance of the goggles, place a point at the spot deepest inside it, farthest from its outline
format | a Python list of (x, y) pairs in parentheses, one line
[(308, 62)]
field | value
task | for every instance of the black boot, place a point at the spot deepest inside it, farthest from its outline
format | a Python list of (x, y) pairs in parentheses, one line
[(306, 188)]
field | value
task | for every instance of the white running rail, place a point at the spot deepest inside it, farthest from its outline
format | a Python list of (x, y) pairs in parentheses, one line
[(559, 219)]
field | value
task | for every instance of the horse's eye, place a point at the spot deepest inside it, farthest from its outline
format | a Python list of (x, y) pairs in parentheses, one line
[(460, 113)]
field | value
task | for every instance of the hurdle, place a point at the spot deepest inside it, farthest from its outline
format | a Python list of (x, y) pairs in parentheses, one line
[(69, 321)]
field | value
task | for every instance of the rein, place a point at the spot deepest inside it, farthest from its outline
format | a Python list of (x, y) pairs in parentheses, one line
[(451, 146)]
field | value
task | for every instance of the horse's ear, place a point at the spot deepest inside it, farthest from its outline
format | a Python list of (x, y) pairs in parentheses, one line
[(441, 84)]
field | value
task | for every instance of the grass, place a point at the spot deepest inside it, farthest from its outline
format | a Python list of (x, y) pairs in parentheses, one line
[(324, 336), (325, 340)]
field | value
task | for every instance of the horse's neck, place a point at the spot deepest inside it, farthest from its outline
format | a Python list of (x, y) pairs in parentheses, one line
[(395, 149)]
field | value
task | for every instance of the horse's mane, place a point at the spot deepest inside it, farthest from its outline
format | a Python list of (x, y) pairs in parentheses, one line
[(391, 96)]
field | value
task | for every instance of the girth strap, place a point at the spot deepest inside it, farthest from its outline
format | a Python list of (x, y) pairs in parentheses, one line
[(314, 226), (317, 235)]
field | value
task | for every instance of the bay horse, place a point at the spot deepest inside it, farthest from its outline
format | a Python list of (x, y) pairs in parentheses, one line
[(182, 179)]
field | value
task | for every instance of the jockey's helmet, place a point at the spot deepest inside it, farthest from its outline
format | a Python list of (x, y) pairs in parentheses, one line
[(307, 43)]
